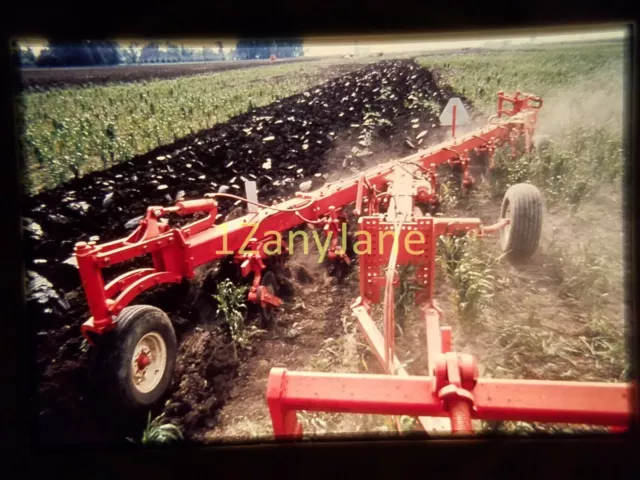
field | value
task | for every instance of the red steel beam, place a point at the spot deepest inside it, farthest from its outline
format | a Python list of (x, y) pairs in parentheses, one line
[(228, 238), (139, 286), (554, 401), (124, 280), (605, 404)]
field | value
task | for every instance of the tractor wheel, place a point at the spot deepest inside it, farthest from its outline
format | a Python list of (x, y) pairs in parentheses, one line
[(137, 358), (522, 205), (268, 312)]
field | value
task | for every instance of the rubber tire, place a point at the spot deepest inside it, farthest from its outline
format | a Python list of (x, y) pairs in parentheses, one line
[(115, 350), (523, 237)]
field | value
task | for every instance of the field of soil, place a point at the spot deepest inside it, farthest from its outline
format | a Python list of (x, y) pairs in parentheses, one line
[(45, 78), (378, 112)]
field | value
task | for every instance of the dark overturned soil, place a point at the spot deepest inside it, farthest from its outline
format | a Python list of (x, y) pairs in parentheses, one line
[(307, 137), (46, 78)]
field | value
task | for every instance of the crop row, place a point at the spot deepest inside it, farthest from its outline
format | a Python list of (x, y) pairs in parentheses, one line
[(480, 76), (74, 131)]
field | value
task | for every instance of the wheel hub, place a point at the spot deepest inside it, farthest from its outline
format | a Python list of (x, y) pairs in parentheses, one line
[(148, 362), (143, 360)]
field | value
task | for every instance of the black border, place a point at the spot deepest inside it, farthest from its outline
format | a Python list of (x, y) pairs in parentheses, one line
[(604, 457), (541, 457)]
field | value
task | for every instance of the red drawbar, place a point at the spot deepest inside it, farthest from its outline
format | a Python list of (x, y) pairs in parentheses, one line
[(523, 400)]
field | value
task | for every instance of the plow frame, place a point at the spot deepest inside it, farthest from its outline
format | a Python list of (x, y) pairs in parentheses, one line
[(176, 252), (386, 201)]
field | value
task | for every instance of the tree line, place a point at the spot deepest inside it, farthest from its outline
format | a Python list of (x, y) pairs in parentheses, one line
[(95, 53)]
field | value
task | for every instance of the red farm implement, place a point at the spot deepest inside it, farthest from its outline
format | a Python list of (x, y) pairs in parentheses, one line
[(393, 203)]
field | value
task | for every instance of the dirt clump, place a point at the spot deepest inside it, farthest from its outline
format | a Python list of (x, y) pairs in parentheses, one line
[(204, 374)]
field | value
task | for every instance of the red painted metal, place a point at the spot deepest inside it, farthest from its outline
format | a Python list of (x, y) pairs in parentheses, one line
[(606, 404)]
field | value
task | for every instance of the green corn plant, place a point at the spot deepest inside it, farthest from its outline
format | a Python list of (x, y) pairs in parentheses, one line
[(65, 121), (450, 252), (401, 425), (469, 271), (407, 423), (157, 433), (231, 304), (447, 194), (581, 272)]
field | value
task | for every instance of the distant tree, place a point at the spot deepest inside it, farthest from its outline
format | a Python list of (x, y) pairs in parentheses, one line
[(282, 49), (27, 58), (208, 54), (110, 52), (264, 50), (173, 52), (298, 47), (220, 50), (130, 54), (247, 49), (52, 55), (150, 53), (290, 48), (85, 53), (97, 55), (186, 54), (16, 54)]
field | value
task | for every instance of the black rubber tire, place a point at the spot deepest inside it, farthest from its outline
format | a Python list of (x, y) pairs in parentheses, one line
[(115, 350), (522, 237), (267, 313)]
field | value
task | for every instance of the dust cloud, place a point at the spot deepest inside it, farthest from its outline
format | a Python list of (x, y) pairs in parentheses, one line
[(593, 101)]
